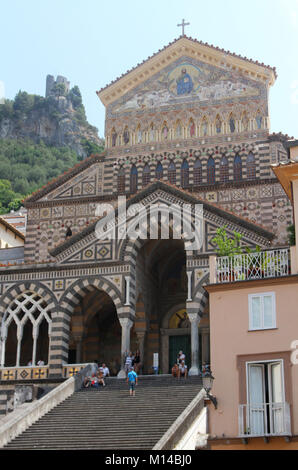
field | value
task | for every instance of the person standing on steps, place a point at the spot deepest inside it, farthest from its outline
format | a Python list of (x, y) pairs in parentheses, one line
[(136, 363), (132, 380), (128, 362)]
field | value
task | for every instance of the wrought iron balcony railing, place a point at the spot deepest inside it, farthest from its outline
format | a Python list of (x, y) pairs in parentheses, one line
[(264, 419), (258, 265)]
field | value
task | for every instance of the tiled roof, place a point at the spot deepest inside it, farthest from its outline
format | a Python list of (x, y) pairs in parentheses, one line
[(211, 46)]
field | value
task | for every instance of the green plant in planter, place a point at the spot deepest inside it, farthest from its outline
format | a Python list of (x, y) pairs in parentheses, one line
[(225, 245)]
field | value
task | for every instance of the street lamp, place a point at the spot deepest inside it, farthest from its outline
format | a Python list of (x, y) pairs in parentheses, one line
[(207, 385)]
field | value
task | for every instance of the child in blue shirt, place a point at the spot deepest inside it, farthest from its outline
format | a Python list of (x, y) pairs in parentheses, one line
[(132, 380)]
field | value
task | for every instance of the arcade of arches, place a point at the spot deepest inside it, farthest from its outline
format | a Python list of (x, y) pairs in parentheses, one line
[(161, 323)]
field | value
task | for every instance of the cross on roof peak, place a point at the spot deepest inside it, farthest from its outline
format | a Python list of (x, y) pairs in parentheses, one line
[(183, 24)]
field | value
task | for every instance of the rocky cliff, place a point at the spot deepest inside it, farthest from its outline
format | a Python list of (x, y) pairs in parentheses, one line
[(58, 120)]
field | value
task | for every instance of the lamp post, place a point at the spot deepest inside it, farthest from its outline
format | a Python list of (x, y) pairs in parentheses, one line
[(207, 385)]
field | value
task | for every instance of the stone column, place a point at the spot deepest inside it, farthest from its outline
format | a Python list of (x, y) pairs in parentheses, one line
[(126, 324), (189, 275), (3, 338), (194, 321), (19, 340), (127, 281)]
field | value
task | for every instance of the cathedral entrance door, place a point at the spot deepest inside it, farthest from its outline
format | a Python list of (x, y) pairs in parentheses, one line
[(176, 344)]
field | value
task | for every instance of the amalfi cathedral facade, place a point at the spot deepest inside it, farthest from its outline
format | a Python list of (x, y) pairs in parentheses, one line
[(189, 125)]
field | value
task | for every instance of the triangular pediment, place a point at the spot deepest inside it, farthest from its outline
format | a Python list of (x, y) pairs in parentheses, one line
[(194, 52), (83, 180), (85, 247)]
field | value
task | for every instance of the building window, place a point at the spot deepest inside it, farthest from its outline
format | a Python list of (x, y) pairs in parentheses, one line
[(262, 311), (237, 168), (159, 171), (146, 175), (25, 329), (250, 166), (266, 412), (184, 174), (211, 171), (197, 172), (133, 179), (121, 181), (224, 170), (172, 173)]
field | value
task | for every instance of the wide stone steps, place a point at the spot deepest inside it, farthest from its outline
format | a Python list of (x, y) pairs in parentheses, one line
[(109, 418)]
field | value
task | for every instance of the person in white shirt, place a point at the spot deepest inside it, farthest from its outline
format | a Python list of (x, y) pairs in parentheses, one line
[(40, 362), (182, 370), (105, 370), (181, 357)]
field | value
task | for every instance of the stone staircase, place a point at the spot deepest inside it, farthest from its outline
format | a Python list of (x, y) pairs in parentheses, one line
[(109, 418)]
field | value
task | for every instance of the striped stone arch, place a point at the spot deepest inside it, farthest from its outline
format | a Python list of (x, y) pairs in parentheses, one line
[(30, 286), (129, 249), (200, 295), (76, 292)]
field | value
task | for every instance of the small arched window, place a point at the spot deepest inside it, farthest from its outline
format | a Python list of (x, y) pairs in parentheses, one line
[(184, 174), (114, 137), (146, 175), (218, 124), (159, 171), (121, 181), (250, 166), (197, 172), (232, 124), (224, 170), (172, 173), (237, 168), (126, 136), (211, 171), (133, 179)]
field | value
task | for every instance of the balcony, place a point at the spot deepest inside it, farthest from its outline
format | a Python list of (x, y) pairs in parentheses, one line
[(264, 420), (249, 266)]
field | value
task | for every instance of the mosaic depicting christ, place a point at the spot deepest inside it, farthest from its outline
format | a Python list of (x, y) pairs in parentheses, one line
[(184, 83)]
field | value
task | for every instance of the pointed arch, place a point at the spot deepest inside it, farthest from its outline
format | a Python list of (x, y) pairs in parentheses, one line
[(250, 166), (191, 128), (164, 131), (232, 124), (224, 169), (237, 168), (211, 170), (159, 171), (126, 136), (197, 172), (184, 174), (178, 129), (133, 179), (146, 175), (139, 135), (114, 137), (121, 180), (204, 126), (259, 119), (172, 173), (218, 124)]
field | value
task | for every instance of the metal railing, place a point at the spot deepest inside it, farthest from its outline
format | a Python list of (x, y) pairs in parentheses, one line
[(258, 265), (264, 419)]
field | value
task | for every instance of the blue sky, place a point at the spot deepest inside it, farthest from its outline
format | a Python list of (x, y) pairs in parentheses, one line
[(92, 42)]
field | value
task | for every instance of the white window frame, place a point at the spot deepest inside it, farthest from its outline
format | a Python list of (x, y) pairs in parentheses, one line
[(262, 295)]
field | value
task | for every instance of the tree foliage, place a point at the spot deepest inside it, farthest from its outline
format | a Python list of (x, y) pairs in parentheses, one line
[(26, 166), (225, 245)]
